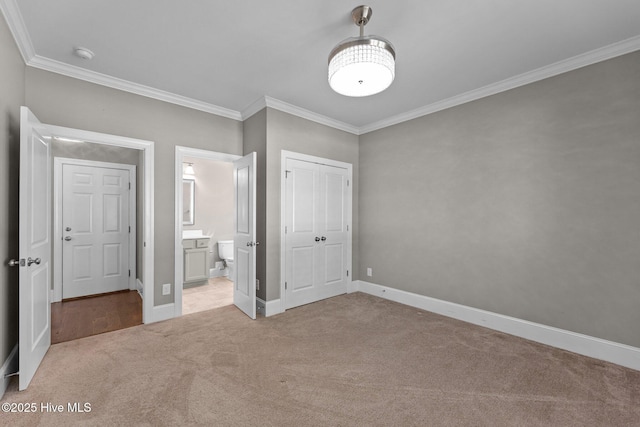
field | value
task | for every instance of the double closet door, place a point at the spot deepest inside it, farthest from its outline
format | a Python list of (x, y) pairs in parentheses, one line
[(317, 236)]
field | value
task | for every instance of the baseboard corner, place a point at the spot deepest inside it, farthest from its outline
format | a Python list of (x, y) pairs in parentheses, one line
[(268, 308), (163, 312)]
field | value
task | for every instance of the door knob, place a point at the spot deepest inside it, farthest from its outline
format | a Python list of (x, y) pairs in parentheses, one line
[(250, 243), (16, 263), (68, 228), (323, 238), (67, 238), (33, 261), (317, 239)]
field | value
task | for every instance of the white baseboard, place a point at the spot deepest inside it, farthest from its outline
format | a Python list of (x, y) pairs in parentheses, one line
[(352, 286), (9, 366), (586, 345), (163, 312), (268, 308), (139, 287)]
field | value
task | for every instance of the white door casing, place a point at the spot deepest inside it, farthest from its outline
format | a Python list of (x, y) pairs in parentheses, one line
[(244, 241), (96, 225), (317, 236), (34, 246)]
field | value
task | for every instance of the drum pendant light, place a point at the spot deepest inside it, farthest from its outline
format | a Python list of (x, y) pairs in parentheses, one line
[(364, 65)]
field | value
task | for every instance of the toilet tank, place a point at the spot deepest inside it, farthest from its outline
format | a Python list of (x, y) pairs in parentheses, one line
[(225, 249)]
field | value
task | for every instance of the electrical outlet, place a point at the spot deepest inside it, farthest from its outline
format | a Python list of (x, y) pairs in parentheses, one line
[(369, 271), (166, 289), (257, 285)]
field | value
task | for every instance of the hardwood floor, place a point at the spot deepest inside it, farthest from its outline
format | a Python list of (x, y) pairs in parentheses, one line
[(82, 317)]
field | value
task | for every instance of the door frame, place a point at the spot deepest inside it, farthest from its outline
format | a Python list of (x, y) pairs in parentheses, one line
[(284, 155), (58, 163), (181, 153), (148, 174)]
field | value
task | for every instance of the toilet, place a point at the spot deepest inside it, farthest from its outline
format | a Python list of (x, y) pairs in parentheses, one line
[(225, 251)]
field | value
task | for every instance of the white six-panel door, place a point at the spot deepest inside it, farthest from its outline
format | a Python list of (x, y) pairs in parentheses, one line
[(35, 246), (244, 241), (316, 232), (95, 221)]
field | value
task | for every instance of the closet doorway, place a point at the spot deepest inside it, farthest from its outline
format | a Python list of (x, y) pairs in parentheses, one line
[(316, 232)]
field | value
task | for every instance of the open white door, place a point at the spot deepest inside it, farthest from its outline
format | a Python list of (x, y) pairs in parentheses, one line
[(244, 241), (35, 245)]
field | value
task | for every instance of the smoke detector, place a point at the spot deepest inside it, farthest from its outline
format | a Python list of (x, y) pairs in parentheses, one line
[(83, 52)]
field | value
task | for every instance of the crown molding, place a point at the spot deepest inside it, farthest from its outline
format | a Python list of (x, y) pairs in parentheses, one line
[(310, 115), (18, 29), (285, 107), (127, 86), (254, 108), (570, 64)]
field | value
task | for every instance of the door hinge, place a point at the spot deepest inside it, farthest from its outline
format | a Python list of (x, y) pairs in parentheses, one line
[(129, 229), (347, 273), (347, 228), (347, 183), (285, 229), (129, 186), (129, 273), (285, 285)]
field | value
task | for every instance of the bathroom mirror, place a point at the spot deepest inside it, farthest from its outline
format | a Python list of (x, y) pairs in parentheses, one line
[(188, 202)]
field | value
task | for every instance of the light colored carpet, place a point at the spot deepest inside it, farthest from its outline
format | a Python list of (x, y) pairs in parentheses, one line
[(353, 360)]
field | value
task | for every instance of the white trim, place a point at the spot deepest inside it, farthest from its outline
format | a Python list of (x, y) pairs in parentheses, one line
[(18, 29), (9, 366), (163, 312), (127, 86), (16, 24), (285, 107), (284, 155), (58, 162), (181, 152), (148, 243), (597, 348), (140, 288), (268, 308), (560, 67)]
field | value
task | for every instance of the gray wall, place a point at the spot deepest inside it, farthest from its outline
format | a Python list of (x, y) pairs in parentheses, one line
[(63, 101), (11, 98), (525, 203), (214, 206), (287, 132)]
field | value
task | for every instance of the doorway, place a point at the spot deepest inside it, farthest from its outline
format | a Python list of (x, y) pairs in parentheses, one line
[(196, 243), (35, 232), (95, 226), (207, 225)]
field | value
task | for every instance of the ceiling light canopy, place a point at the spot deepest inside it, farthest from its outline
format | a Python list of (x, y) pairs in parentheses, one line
[(188, 170), (364, 65)]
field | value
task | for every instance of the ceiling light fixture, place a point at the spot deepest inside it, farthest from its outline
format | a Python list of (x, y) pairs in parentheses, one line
[(364, 65), (189, 169)]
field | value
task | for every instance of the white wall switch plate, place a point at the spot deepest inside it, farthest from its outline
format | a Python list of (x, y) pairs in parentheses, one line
[(369, 271), (166, 289)]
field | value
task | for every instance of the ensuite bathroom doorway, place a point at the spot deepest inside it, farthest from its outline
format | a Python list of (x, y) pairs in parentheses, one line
[(215, 203)]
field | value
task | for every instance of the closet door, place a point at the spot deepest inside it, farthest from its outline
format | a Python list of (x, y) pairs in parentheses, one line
[(316, 232)]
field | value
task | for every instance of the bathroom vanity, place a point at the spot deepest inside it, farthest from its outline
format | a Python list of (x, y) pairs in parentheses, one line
[(196, 258)]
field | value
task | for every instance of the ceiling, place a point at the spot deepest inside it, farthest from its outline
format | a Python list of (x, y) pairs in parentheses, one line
[(229, 57)]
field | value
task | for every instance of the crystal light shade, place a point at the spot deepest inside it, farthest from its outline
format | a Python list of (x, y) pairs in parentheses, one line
[(361, 66)]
